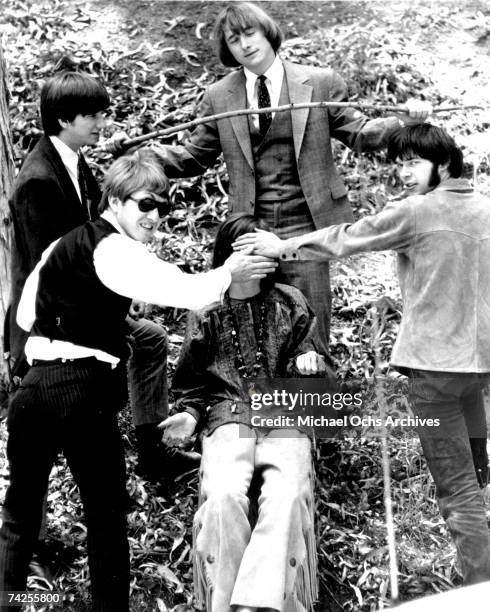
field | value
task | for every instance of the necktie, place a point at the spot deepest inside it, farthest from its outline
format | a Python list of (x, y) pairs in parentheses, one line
[(83, 184), (264, 101)]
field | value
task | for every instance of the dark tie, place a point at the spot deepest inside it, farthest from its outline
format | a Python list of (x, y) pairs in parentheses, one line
[(82, 183), (264, 101)]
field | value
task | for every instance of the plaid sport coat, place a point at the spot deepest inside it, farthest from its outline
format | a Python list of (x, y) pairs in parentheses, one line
[(313, 128)]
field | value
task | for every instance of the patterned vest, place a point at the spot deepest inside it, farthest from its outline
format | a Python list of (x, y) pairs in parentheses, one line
[(275, 161)]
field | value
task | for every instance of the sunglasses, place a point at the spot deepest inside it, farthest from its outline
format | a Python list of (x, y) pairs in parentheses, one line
[(146, 205)]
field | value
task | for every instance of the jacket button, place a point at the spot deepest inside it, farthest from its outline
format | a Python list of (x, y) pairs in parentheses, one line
[(210, 559), (292, 562), (251, 204)]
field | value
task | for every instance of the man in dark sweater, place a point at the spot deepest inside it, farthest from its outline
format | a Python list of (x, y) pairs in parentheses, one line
[(70, 396)]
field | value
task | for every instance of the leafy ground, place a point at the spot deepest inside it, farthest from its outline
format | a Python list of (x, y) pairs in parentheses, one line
[(156, 59)]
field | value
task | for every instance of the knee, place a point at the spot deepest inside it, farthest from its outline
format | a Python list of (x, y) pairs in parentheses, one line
[(157, 337), (150, 339), (287, 499), (225, 503)]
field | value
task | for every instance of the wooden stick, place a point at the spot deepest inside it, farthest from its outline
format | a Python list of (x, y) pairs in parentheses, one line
[(377, 329), (113, 147)]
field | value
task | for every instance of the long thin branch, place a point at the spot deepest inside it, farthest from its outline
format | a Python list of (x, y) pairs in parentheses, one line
[(126, 144)]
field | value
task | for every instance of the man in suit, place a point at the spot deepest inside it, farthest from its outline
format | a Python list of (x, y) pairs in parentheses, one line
[(55, 192), (280, 166)]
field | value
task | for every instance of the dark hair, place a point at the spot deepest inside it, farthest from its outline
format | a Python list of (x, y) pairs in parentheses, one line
[(239, 17), (236, 225), (68, 94), (428, 142), (134, 172)]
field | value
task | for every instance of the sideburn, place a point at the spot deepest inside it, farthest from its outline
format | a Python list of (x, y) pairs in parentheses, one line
[(435, 177)]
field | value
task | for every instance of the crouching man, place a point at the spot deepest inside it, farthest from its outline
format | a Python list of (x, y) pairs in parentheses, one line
[(69, 398), (441, 233)]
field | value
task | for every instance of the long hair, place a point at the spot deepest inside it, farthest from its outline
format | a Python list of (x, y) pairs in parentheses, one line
[(428, 142), (238, 17), (234, 226)]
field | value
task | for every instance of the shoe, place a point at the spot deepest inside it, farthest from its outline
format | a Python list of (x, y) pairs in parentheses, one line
[(178, 461), (40, 565)]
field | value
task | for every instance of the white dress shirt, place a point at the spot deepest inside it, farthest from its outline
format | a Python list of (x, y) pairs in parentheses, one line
[(274, 77), (126, 267), (69, 159)]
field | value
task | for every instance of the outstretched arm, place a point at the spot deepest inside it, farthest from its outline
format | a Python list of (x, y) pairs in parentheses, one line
[(392, 228), (358, 132), (198, 152), (126, 267)]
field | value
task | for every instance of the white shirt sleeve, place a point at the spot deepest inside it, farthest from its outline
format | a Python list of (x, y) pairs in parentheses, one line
[(126, 267), (26, 311)]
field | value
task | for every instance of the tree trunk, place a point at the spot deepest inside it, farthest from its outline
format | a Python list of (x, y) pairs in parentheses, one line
[(6, 179)]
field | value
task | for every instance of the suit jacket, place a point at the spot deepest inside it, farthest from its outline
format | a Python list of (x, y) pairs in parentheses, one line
[(44, 205), (321, 184)]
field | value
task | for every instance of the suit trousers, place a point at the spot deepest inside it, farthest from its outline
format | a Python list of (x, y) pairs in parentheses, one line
[(292, 218), (147, 371), (272, 565), (72, 408), (456, 400)]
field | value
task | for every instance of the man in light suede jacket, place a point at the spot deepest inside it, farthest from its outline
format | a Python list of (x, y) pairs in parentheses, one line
[(441, 233)]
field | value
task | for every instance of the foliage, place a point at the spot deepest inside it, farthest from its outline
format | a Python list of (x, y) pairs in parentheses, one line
[(157, 81)]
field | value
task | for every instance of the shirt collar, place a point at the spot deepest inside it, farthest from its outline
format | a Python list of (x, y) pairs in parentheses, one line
[(455, 184), (274, 73), (109, 216), (68, 156)]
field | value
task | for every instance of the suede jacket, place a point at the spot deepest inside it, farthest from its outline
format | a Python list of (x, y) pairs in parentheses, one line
[(443, 244)]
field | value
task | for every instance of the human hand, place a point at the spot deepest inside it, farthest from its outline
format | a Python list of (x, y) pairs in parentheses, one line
[(310, 363), (178, 428), (245, 267), (264, 243), (417, 111), (137, 310), (116, 145)]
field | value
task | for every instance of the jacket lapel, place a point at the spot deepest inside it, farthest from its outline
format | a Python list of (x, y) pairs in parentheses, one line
[(59, 170), (237, 100), (299, 91)]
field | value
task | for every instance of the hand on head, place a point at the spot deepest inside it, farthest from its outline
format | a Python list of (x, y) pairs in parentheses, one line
[(262, 243), (245, 267)]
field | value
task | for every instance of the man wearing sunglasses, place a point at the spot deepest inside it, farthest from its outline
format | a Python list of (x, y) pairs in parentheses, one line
[(54, 193), (74, 304)]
